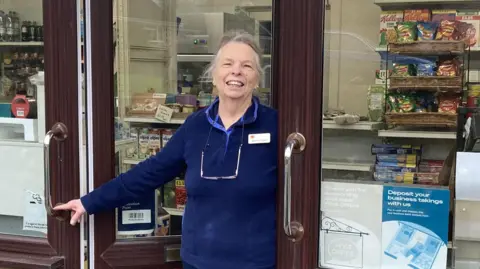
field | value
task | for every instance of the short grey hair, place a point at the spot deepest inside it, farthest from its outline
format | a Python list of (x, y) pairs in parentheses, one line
[(239, 36)]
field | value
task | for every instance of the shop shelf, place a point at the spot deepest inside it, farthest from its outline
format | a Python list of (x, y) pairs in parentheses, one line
[(29, 127), (347, 166), (434, 83), (121, 144), (21, 44), (361, 126), (436, 47), (384, 49), (425, 134), (429, 2), (152, 120), (131, 161), (424, 119), (174, 211)]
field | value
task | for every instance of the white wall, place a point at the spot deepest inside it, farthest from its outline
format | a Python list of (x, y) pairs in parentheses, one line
[(352, 34), (29, 10)]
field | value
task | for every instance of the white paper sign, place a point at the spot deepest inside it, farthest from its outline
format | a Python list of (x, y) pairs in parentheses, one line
[(136, 216), (35, 215), (164, 113)]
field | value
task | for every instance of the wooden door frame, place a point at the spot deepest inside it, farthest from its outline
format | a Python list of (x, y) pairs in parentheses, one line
[(297, 83), (61, 249)]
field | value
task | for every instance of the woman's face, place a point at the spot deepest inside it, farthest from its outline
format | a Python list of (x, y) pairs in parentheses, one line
[(235, 75)]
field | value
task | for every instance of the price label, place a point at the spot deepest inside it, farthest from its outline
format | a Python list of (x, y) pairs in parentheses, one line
[(164, 113)]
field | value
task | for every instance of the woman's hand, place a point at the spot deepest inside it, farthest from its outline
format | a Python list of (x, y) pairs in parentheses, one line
[(75, 207)]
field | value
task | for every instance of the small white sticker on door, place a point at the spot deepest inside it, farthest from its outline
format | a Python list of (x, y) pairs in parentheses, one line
[(35, 215), (136, 216)]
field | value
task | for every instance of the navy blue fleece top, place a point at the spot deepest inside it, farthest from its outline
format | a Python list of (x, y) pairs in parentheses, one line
[(228, 223)]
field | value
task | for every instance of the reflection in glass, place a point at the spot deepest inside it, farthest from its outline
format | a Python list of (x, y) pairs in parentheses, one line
[(22, 118), (161, 50)]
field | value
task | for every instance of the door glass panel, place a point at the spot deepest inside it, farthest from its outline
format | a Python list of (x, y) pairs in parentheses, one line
[(162, 48), (387, 129), (22, 118)]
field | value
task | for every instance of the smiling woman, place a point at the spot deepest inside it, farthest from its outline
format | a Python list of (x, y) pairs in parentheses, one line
[(235, 181), (235, 73)]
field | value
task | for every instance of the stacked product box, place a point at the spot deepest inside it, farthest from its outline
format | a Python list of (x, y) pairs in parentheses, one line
[(404, 164), (396, 163)]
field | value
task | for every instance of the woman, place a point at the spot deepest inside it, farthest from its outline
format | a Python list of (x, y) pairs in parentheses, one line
[(230, 153)]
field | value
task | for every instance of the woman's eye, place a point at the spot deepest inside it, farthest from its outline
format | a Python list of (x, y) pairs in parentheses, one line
[(227, 64), (248, 66)]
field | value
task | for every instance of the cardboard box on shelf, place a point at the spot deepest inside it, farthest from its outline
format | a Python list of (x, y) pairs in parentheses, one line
[(388, 21), (439, 15), (473, 32), (417, 15)]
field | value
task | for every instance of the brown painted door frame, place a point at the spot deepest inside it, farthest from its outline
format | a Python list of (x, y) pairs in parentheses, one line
[(298, 89), (62, 247), (297, 94)]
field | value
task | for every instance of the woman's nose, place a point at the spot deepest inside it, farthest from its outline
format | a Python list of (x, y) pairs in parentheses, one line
[(236, 70)]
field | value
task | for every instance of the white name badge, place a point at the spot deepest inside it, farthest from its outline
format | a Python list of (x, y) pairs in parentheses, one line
[(259, 138)]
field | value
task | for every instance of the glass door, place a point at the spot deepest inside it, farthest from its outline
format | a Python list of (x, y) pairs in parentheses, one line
[(145, 64), (39, 133)]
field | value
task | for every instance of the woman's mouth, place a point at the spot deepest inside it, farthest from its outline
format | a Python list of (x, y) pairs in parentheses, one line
[(235, 83)]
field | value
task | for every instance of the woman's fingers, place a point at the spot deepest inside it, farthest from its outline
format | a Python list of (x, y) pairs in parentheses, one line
[(76, 210), (75, 218), (67, 206)]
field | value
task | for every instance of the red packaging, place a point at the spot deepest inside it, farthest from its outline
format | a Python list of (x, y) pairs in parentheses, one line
[(180, 193), (448, 104), (416, 15)]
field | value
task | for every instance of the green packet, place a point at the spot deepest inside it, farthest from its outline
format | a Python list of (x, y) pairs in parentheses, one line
[(376, 102)]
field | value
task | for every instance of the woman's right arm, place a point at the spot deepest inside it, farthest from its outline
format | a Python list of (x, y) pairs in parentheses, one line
[(141, 179)]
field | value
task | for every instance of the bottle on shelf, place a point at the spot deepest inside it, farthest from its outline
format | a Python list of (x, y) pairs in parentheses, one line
[(2, 26), (9, 27), (24, 28), (32, 31), (17, 31), (39, 33)]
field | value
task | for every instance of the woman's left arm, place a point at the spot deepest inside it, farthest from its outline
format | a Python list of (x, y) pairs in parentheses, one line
[(141, 179)]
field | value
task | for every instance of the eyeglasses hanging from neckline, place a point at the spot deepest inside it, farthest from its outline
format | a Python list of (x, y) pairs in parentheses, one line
[(234, 176)]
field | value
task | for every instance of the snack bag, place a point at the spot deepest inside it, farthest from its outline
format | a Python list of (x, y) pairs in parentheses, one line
[(392, 105), (426, 30), (406, 32), (448, 68), (376, 102), (448, 104), (425, 70), (403, 70), (406, 103), (446, 30)]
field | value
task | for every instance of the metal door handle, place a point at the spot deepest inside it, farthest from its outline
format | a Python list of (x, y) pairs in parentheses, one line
[(295, 144), (59, 133)]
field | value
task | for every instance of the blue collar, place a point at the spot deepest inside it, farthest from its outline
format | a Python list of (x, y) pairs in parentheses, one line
[(249, 117)]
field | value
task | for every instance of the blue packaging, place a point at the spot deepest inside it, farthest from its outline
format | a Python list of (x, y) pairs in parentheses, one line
[(398, 177), (5, 110), (395, 149), (389, 164), (397, 158), (379, 168)]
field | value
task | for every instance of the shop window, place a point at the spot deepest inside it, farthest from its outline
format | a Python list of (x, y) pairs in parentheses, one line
[(398, 77), (22, 118), (162, 48)]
